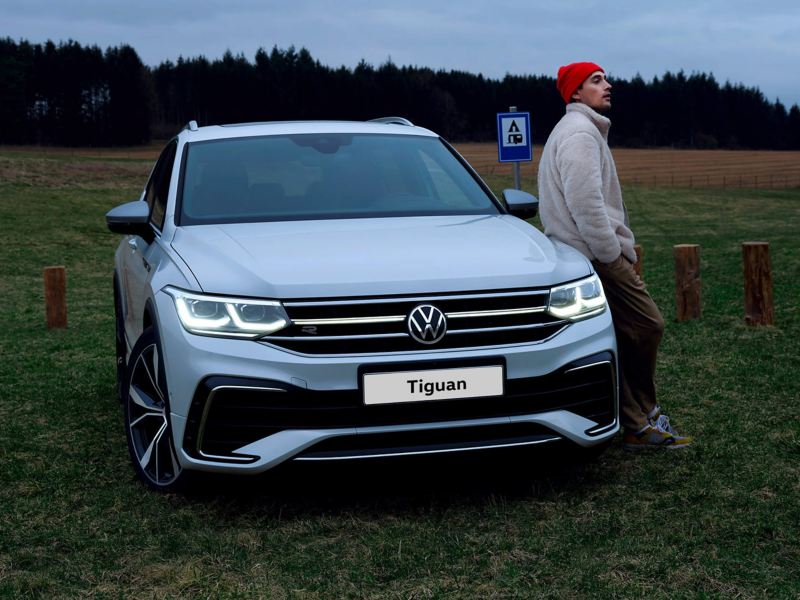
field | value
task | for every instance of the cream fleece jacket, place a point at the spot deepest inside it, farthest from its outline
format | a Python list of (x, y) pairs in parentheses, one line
[(580, 201)]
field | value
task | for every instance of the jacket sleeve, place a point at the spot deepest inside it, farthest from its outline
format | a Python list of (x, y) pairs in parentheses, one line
[(580, 165)]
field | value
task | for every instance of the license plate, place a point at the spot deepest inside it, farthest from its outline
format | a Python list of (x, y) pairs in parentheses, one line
[(439, 384)]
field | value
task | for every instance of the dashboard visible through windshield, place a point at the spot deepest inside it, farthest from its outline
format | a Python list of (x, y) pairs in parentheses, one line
[(325, 176)]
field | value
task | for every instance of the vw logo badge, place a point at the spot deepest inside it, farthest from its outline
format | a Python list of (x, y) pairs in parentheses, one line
[(427, 324)]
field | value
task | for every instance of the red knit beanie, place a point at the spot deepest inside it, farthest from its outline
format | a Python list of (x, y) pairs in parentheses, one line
[(570, 77)]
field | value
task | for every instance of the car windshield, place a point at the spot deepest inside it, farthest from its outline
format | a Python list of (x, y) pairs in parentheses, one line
[(325, 176)]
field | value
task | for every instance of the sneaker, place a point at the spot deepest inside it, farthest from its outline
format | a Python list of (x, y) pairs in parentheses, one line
[(660, 421), (653, 415), (658, 435)]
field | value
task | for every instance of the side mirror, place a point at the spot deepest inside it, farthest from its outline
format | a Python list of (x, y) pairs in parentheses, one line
[(131, 218), (521, 204)]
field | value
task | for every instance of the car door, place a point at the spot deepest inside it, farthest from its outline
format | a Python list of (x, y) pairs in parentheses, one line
[(143, 253)]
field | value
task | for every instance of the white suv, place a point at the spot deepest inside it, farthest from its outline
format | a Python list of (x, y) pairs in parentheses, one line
[(339, 290)]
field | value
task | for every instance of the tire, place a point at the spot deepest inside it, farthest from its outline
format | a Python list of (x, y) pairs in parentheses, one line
[(147, 424)]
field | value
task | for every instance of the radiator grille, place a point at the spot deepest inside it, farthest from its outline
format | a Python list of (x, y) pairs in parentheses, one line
[(380, 325)]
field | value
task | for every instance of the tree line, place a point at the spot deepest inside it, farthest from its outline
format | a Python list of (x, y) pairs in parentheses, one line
[(74, 95)]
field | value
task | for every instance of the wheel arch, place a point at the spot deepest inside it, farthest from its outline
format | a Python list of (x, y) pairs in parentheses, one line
[(119, 297), (149, 318)]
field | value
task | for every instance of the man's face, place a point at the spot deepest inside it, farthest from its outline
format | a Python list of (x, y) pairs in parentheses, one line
[(595, 92)]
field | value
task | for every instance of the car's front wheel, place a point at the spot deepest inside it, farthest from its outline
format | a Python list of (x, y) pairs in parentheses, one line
[(147, 423)]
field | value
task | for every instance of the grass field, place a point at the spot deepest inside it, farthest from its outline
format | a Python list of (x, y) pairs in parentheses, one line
[(652, 167), (720, 519)]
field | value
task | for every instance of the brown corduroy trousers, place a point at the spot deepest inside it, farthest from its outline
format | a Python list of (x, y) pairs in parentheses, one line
[(639, 327)]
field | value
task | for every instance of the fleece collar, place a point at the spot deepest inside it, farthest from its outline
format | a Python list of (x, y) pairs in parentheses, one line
[(602, 123)]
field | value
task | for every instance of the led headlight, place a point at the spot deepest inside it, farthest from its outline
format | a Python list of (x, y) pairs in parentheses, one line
[(228, 317), (578, 300)]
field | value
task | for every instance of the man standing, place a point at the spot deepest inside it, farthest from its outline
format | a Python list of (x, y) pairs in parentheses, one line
[(580, 204)]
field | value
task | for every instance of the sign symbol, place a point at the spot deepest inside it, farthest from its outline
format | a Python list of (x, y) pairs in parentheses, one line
[(514, 132), (514, 136)]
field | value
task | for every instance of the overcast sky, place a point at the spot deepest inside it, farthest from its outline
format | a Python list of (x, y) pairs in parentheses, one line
[(755, 43)]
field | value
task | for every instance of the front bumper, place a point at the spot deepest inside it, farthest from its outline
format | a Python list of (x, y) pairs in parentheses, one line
[(243, 406)]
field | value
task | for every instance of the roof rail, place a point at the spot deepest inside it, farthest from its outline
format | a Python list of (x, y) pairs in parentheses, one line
[(191, 126), (392, 121)]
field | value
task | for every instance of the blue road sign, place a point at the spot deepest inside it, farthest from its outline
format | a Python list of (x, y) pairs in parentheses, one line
[(514, 137)]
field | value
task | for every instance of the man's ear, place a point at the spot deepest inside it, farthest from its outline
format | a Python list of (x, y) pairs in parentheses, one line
[(576, 97)]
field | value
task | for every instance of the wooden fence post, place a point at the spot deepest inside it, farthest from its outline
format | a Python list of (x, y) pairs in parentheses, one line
[(687, 282), (55, 297), (638, 265), (758, 301)]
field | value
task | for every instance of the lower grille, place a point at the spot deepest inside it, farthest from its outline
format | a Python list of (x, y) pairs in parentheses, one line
[(227, 413), (429, 440)]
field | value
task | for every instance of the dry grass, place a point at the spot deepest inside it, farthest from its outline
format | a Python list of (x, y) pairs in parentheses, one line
[(73, 172), (670, 167), (147, 152), (662, 167)]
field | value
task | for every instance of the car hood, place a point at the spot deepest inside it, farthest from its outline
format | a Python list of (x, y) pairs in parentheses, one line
[(374, 256)]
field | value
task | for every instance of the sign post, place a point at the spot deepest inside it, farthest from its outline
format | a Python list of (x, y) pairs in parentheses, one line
[(514, 139)]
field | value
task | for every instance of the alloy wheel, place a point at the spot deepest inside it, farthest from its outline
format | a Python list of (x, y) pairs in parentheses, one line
[(147, 420)]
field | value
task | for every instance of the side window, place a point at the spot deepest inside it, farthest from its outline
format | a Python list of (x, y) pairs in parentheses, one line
[(158, 186)]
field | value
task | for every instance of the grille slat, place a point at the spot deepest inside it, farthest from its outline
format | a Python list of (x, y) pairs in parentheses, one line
[(417, 298), (500, 328), (327, 338), (379, 325)]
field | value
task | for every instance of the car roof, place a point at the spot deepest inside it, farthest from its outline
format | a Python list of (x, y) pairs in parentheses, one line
[(239, 130)]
